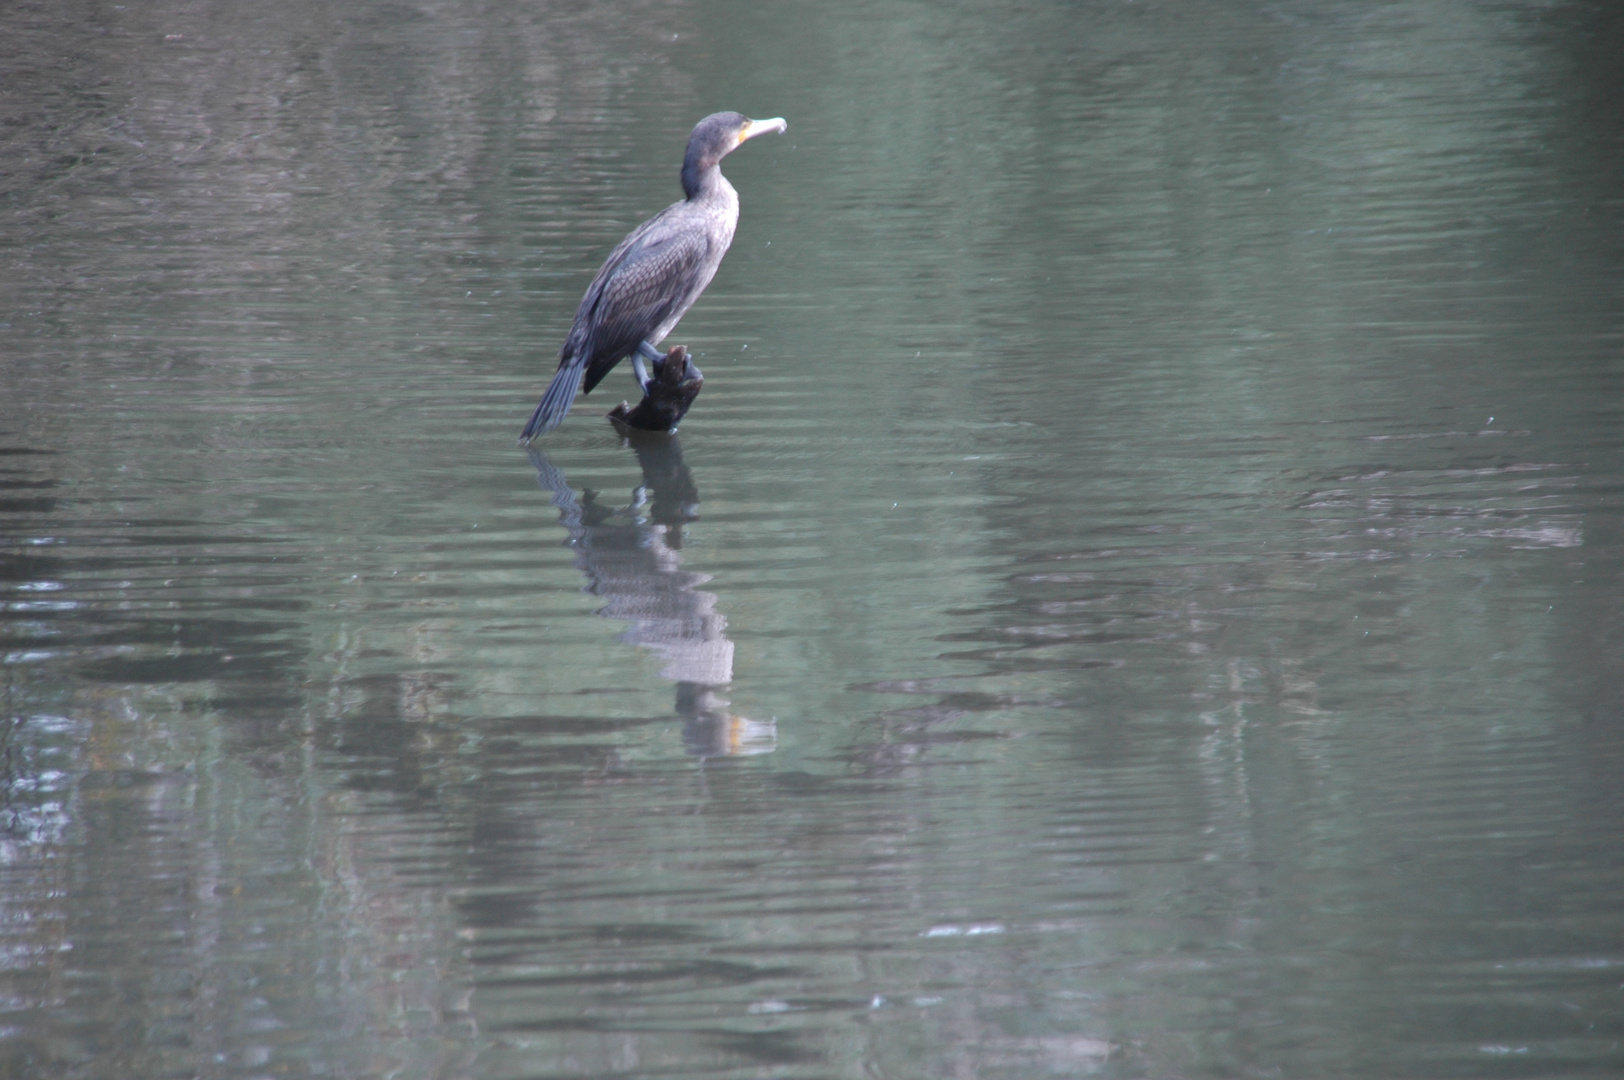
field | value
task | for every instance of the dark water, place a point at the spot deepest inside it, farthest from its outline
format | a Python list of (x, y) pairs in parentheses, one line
[(1139, 595)]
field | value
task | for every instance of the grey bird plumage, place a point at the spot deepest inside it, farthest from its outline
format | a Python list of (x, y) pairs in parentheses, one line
[(653, 276)]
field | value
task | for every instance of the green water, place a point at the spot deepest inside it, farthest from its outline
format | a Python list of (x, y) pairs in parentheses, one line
[(1137, 597)]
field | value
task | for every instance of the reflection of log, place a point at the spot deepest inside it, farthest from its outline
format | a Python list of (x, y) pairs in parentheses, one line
[(666, 398)]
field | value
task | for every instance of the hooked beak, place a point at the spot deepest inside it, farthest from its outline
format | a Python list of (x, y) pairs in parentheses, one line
[(762, 127)]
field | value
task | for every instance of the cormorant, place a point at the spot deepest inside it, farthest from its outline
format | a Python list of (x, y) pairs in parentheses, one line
[(654, 275)]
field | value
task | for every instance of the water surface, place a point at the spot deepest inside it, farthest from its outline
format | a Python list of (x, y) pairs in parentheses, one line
[(1137, 597)]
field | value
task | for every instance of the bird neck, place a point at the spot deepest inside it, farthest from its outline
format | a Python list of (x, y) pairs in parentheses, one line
[(702, 178)]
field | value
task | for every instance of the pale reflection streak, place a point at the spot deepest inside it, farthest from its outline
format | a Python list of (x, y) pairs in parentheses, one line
[(632, 557)]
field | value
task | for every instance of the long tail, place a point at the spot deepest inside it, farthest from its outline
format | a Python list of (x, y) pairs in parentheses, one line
[(555, 403)]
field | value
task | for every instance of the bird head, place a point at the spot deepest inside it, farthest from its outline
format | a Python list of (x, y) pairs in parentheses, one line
[(716, 136)]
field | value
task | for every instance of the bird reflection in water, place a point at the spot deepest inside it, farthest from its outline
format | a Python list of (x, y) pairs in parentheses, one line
[(632, 558)]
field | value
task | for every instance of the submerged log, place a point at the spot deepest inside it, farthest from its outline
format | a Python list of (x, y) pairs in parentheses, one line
[(670, 391)]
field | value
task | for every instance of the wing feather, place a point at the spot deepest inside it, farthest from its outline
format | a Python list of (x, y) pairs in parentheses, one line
[(651, 278)]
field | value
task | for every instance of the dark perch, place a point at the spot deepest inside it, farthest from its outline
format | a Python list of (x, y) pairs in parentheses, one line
[(666, 397)]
